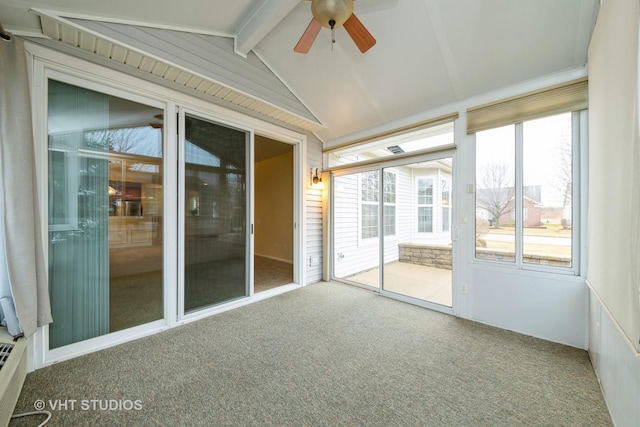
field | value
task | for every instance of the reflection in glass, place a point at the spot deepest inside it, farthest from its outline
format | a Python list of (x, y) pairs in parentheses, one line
[(215, 214), (105, 213)]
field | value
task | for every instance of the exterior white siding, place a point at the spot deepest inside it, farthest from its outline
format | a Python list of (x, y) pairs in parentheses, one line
[(352, 252), (313, 220)]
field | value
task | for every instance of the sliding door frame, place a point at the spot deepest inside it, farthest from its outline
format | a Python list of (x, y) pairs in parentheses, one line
[(380, 166), (41, 347), (44, 63), (181, 196)]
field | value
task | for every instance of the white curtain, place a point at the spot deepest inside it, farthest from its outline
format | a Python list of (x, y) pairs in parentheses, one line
[(25, 266)]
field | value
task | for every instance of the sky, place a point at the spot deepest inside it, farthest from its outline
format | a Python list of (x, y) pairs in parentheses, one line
[(542, 153)]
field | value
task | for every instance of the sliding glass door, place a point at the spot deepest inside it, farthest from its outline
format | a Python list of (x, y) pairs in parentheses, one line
[(356, 220), (105, 208), (215, 235), (392, 228), (148, 205), (418, 252), (107, 259)]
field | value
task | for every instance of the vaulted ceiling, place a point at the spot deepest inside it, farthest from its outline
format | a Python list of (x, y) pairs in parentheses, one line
[(429, 53)]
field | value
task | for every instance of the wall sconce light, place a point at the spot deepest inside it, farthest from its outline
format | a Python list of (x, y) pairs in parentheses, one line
[(316, 179)]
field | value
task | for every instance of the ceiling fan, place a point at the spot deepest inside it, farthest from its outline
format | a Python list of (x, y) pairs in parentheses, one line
[(333, 14)]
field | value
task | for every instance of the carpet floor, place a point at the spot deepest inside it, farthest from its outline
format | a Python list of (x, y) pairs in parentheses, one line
[(324, 355)]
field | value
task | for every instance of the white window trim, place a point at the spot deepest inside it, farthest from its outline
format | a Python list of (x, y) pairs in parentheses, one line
[(366, 241), (394, 204), (579, 142), (448, 180), (370, 241), (425, 205)]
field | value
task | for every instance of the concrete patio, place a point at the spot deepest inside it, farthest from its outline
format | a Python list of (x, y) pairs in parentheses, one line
[(416, 281)]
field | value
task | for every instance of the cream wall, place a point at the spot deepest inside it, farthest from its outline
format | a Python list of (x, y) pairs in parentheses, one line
[(273, 216), (613, 147), (613, 251)]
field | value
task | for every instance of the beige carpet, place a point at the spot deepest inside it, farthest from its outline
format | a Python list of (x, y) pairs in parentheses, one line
[(325, 355)]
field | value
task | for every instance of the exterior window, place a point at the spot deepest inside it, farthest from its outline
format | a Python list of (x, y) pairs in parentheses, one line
[(445, 186), (527, 221), (369, 204), (389, 203), (425, 205), (369, 191)]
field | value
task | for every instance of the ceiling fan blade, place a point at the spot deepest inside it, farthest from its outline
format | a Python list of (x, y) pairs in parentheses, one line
[(362, 38), (308, 37)]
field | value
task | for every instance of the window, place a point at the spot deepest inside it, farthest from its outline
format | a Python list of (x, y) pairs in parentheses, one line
[(369, 195), (389, 180), (445, 191), (524, 192), (425, 205), (369, 204), (422, 136)]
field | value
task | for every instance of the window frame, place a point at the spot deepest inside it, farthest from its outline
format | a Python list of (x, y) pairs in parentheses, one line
[(380, 205), (420, 206), (445, 187), (386, 204), (579, 142), (368, 203)]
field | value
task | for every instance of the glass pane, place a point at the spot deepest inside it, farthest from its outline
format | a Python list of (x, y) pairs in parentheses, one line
[(215, 214), (547, 180), (105, 213), (425, 219), (369, 221), (425, 191), (417, 140), (418, 257), (495, 191), (356, 222)]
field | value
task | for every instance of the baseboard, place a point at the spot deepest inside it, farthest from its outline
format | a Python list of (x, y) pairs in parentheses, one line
[(273, 258)]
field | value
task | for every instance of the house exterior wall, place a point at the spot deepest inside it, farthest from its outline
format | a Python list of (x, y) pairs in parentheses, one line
[(354, 254), (308, 209), (533, 217), (313, 208)]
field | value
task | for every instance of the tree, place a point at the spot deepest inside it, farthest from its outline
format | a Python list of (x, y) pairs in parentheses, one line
[(495, 192), (565, 180)]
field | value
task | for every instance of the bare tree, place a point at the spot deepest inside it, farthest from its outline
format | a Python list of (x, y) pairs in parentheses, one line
[(565, 173), (135, 140), (563, 176), (495, 192)]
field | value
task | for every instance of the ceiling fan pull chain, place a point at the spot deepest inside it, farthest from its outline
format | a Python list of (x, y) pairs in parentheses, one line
[(332, 23)]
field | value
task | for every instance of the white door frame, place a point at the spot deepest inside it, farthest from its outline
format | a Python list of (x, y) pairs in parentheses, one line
[(77, 71)]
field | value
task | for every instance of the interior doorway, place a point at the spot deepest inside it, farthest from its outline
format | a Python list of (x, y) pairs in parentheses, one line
[(273, 214)]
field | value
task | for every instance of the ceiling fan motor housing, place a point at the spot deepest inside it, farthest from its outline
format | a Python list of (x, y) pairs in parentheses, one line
[(332, 10)]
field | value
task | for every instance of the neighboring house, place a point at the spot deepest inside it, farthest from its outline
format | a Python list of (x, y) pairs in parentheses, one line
[(489, 201)]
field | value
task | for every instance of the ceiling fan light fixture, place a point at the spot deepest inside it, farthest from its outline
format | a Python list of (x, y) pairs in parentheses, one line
[(334, 14), (337, 11)]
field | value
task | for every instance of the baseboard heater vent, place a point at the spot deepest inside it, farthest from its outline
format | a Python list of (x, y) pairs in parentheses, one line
[(13, 370)]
